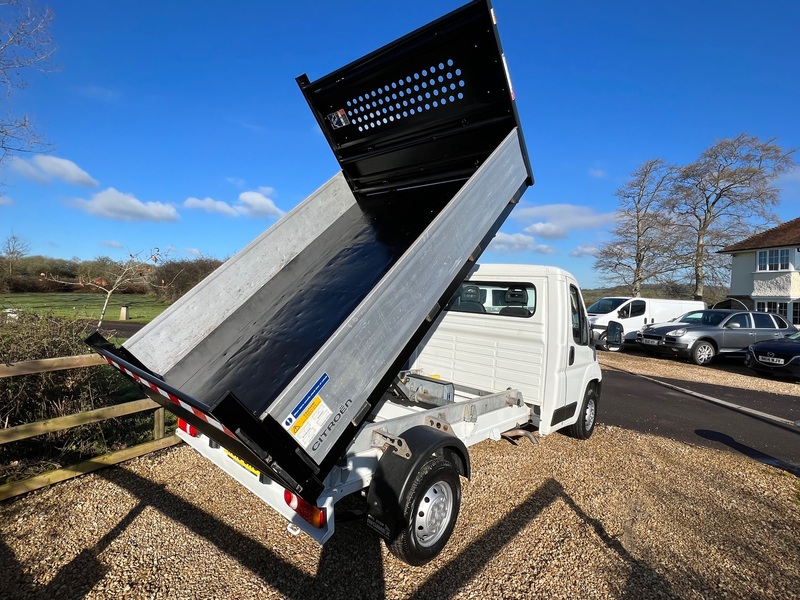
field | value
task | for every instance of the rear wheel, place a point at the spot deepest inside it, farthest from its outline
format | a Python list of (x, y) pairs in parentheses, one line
[(703, 353), (582, 429), (430, 508)]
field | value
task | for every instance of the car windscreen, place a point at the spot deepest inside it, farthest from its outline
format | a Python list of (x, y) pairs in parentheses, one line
[(604, 305)]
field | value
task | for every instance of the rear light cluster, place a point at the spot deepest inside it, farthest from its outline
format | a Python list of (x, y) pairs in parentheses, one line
[(312, 514), (190, 429)]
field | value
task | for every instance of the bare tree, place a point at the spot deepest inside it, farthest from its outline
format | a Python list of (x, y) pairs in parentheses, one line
[(25, 44), (725, 196), (108, 276), (13, 249), (641, 250)]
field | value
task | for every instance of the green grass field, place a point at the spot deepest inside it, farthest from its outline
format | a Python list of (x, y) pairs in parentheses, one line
[(142, 309)]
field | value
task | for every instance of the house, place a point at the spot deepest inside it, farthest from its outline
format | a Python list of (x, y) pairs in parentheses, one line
[(765, 271)]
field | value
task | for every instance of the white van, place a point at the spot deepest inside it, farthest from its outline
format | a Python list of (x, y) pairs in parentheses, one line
[(635, 313)]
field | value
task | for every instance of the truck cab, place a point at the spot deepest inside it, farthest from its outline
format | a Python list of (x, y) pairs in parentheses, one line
[(522, 327)]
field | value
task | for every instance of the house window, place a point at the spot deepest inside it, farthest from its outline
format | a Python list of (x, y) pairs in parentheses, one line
[(780, 308), (773, 260), (796, 313)]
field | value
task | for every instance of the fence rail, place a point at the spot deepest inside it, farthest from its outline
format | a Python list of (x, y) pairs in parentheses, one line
[(28, 430)]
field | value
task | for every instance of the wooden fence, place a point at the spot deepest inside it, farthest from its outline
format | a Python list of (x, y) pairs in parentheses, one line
[(21, 432)]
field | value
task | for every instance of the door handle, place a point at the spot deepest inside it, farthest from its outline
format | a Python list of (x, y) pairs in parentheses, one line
[(571, 355)]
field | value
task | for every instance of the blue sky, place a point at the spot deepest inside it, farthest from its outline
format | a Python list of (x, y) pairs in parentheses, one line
[(179, 125)]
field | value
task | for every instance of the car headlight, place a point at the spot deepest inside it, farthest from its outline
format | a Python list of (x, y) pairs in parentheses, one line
[(750, 348), (677, 332)]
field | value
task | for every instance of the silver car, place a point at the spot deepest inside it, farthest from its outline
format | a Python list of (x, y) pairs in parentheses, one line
[(703, 334)]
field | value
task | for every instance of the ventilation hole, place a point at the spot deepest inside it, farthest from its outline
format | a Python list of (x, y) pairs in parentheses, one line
[(460, 96), (424, 73), (413, 101), (433, 82), (444, 89), (441, 79), (397, 106), (452, 99), (452, 86), (405, 113), (360, 128), (441, 66), (427, 107), (461, 83), (449, 75), (416, 75), (444, 101), (458, 72), (391, 118), (449, 62), (433, 69), (427, 95), (424, 85), (435, 92), (411, 111)]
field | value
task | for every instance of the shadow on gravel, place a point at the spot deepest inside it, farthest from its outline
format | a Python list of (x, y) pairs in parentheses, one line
[(350, 564), (716, 436)]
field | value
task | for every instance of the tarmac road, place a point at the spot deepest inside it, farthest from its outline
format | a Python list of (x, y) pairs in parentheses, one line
[(640, 404)]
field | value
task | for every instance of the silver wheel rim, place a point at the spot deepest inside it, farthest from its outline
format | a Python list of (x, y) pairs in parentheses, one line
[(705, 353), (433, 514), (588, 421)]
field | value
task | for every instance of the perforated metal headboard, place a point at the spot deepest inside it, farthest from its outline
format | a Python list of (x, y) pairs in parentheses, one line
[(426, 109)]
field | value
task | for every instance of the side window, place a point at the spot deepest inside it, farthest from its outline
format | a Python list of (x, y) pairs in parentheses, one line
[(493, 298), (580, 331), (742, 319), (763, 321), (637, 308), (780, 322)]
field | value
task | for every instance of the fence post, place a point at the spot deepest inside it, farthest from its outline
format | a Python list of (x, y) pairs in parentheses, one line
[(158, 423)]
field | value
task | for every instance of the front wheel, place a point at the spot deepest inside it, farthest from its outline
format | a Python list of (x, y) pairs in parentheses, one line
[(582, 429), (703, 353), (430, 510)]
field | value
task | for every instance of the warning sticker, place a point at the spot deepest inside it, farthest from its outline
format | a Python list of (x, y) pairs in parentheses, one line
[(309, 415), (339, 119)]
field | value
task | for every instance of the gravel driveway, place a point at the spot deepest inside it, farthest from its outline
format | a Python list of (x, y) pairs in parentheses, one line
[(622, 515)]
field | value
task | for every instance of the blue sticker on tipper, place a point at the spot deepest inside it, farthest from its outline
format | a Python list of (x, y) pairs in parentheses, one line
[(310, 395)]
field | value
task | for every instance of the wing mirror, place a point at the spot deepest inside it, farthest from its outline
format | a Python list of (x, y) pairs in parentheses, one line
[(614, 334)]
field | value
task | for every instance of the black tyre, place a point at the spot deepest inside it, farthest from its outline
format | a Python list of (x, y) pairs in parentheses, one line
[(430, 509), (582, 429), (703, 353)]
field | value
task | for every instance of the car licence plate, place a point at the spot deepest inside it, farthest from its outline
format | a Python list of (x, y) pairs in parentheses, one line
[(650, 342), (771, 359), (244, 464)]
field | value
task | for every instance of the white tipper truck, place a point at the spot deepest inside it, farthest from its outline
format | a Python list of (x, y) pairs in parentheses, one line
[(357, 346)]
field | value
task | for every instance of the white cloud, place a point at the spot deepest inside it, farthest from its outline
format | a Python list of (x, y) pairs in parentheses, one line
[(554, 221), (194, 252), (589, 249), (43, 169), (250, 204), (97, 92), (112, 204), (236, 181), (5, 200), (212, 206), (512, 243), (110, 244), (597, 173), (258, 204)]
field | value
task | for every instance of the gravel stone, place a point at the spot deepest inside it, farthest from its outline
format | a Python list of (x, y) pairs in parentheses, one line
[(622, 514)]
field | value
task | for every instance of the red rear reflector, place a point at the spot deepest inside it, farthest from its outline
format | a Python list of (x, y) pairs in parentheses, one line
[(190, 429), (312, 514)]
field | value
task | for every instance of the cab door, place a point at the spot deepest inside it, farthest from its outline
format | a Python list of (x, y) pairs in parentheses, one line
[(580, 355)]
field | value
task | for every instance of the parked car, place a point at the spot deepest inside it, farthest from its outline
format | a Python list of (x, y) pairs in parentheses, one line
[(704, 334), (775, 357), (633, 313)]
